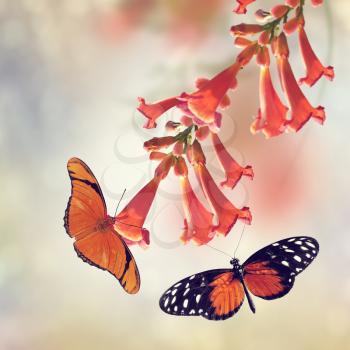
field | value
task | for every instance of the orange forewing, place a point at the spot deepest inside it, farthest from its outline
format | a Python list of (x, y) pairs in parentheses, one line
[(87, 221)]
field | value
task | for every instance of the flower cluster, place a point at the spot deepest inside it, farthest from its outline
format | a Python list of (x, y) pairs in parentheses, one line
[(186, 150), (274, 117), (201, 118)]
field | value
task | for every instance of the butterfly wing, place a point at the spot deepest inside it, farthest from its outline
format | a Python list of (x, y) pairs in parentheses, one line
[(214, 294), (107, 251), (86, 205), (270, 272), (87, 221)]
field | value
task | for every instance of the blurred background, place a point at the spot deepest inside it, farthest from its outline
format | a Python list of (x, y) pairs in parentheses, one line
[(70, 73)]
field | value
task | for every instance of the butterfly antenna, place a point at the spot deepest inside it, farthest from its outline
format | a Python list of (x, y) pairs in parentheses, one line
[(239, 241), (124, 223), (116, 210), (218, 250)]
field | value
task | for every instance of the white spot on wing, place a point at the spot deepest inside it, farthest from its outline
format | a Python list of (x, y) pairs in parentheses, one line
[(297, 258), (310, 244)]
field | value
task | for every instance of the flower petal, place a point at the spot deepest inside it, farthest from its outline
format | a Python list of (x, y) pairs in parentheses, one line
[(157, 143), (153, 111), (314, 68), (300, 107), (129, 222), (232, 169), (272, 116), (198, 223), (204, 102), (246, 29), (227, 214)]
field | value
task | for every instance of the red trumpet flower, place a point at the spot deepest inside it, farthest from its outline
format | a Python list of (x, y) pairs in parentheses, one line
[(205, 101), (202, 104), (272, 115), (232, 169), (153, 111), (198, 222), (246, 29), (226, 213), (301, 109), (157, 143), (129, 222), (314, 68)]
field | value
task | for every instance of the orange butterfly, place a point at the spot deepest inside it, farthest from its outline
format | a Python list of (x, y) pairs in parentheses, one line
[(96, 240)]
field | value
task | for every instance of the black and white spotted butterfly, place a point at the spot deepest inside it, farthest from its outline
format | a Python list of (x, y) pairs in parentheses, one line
[(218, 294)]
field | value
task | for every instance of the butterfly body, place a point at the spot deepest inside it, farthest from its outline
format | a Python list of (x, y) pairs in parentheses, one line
[(96, 241), (105, 224), (237, 269), (218, 294)]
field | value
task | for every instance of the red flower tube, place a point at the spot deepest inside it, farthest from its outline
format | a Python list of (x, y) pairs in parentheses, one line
[(201, 104), (198, 222), (301, 109), (227, 214), (232, 169), (246, 29), (314, 68), (157, 143), (272, 115), (245, 56), (129, 222), (153, 111)]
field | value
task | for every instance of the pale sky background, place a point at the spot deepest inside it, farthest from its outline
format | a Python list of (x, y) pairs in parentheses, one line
[(68, 87)]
